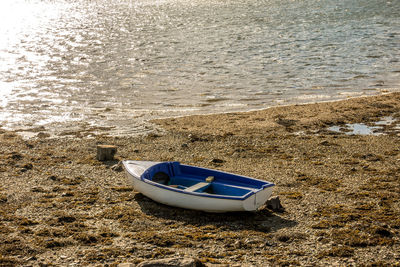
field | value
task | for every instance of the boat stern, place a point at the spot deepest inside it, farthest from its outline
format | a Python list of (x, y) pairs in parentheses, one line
[(255, 201)]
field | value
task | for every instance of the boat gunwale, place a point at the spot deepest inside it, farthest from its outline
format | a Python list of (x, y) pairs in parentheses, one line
[(251, 192)]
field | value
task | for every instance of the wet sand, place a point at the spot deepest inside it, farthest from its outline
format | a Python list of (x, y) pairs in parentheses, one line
[(340, 192)]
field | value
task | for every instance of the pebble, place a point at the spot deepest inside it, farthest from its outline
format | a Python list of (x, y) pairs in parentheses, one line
[(274, 204), (117, 167), (217, 161), (184, 145), (268, 243), (42, 135), (193, 138), (171, 262)]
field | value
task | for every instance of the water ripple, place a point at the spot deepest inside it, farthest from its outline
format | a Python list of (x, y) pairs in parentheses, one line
[(121, 62)]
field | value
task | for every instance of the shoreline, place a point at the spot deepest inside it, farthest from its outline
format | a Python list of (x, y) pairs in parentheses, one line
[(61, 206), (267, 117), (81, 129)]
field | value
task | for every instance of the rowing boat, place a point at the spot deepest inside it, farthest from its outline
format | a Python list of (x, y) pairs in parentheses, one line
[(190, 187)]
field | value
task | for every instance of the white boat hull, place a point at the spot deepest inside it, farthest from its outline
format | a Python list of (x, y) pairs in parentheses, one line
[(194, 201)]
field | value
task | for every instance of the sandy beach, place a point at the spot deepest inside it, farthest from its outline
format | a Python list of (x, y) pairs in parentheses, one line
[(340, 191)]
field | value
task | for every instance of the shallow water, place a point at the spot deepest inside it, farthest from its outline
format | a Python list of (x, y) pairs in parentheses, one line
[(355, 129), (117, 63), (377, 128)]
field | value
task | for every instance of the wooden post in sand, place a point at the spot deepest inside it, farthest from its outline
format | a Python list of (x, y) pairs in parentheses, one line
[(106, 152)]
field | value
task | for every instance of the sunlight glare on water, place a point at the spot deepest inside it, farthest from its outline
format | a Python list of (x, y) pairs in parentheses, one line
[(119, 63)]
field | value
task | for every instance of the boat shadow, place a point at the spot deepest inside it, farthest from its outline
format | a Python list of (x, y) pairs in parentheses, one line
[(263, 220)]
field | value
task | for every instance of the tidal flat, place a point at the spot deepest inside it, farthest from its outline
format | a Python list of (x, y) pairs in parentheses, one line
[(340, 191)]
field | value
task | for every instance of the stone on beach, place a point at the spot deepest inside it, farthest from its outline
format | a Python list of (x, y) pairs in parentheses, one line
[(274, 203), (172, 262), (117, 167), (106, 152)]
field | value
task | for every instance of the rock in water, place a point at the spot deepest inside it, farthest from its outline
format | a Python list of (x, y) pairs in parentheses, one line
[(106, 152)]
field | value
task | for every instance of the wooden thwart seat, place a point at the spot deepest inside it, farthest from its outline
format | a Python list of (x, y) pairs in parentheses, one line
[(196, 186)]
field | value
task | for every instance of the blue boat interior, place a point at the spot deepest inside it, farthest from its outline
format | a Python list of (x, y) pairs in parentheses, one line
[(201, 180)]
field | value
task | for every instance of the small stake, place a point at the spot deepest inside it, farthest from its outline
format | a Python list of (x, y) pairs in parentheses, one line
[(106, 152)]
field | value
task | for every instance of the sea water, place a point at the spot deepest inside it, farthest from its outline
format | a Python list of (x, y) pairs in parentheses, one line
[(115, 64)]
